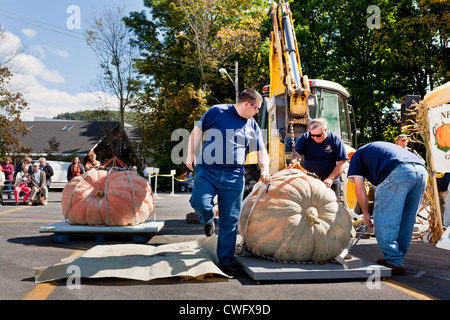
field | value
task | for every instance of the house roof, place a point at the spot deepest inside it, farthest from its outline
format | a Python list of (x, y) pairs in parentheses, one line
[(74, 136), (133, 133)]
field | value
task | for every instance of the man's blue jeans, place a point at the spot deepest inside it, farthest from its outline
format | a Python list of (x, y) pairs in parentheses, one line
[(210, 181), (397, 200)]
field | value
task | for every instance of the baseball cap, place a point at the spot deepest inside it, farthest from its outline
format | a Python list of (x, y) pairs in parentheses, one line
[(402, 137)]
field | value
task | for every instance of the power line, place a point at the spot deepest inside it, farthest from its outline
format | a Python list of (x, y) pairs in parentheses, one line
[(186, 64), (51, 25), (66, 32), (175, 61), (76, 35)]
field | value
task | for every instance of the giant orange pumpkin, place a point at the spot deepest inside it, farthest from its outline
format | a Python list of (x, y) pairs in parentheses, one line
[(107, 197), (297, 219), (443, 136)]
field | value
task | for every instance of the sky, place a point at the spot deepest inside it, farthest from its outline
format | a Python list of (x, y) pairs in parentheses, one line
[(54, 69)]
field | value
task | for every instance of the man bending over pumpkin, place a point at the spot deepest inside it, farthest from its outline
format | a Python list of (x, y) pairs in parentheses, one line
[(401, 178), (219, 170), (323, 154)]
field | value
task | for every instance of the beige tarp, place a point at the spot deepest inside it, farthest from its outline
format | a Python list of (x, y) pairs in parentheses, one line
[(138, 262), (438, 96)]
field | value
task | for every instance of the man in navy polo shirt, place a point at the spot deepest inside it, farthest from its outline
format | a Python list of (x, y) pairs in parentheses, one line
[(324, 154), (401, 178), (219, 169)]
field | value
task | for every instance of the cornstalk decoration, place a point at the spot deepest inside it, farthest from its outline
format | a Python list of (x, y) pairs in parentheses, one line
[(419, 130)]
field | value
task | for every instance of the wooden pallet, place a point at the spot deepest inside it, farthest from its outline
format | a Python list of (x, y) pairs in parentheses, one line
[(101, 238), (64, 232)]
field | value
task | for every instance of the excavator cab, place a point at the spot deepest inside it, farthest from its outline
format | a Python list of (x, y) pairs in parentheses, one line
[(329, 101)]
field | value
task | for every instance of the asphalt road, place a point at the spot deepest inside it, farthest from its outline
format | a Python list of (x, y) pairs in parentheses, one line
[(22, 247)]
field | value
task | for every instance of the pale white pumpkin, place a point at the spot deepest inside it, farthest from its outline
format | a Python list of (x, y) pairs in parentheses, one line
[(297, 219)]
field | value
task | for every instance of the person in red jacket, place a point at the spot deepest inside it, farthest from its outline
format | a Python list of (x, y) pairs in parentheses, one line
[(2, 183), (8, 170)]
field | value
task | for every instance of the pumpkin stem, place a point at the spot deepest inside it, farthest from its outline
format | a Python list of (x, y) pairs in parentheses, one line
[(99, 194), (312, 213), (312, 222)]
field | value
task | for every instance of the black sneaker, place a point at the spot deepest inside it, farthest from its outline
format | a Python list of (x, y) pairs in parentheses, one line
[(209, 228), (396, 270), (231, 270)]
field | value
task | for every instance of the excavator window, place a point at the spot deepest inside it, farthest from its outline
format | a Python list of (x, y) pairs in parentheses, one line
[(332, 106), (328, 108), (344, 121)]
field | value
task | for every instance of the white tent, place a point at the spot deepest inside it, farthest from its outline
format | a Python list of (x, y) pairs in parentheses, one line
[(438, 96)]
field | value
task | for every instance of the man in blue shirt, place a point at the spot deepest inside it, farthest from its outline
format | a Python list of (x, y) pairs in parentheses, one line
[(323, 154), (401, 178), (219, 169)]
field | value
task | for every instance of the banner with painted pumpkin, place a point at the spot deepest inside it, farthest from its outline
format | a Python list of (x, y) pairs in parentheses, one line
[(439, 120)]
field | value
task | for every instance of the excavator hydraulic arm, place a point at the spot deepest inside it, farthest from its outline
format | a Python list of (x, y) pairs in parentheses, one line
[(289, 88)]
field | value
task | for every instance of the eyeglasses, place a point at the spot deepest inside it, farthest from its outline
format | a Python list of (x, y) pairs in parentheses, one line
[(253, 105), (316, 135)]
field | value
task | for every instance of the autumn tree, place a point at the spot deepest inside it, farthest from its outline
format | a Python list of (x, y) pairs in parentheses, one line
[(11, 106), (161, 117), (11, 125), (183, 45), (109, 39), (190, 40)]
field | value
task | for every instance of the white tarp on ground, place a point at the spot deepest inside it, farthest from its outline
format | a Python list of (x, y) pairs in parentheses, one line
[(138, 262)]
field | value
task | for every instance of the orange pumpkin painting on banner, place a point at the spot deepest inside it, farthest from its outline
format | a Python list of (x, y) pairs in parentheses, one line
[(107, 197), (443, 135)]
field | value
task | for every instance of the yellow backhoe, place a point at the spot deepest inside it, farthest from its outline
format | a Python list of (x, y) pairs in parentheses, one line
[(293, 99)]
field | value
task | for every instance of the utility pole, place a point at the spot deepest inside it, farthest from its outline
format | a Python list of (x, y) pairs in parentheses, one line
[(236, 80)]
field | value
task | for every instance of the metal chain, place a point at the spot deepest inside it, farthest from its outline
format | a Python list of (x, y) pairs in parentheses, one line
[(291, 129)]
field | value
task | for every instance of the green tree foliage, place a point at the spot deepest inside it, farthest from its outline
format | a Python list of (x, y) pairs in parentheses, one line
[(183, 43), (98, 115), (337, 45), (407, 53), (159, 118), (414, 41), (187, 41)]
